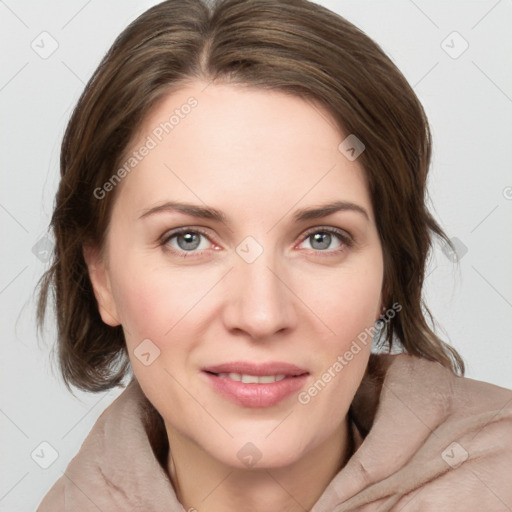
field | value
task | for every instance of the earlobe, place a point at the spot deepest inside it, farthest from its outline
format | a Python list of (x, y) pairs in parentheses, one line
[(98, 274)]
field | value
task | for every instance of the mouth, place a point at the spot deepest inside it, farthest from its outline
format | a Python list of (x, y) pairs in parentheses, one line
[(251, 379), (252, 385)]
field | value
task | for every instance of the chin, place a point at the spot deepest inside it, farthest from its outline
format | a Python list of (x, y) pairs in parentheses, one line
[(260, 451)]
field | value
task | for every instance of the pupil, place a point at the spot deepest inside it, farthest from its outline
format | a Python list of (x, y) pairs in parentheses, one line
[(324, 240), (191, 241)]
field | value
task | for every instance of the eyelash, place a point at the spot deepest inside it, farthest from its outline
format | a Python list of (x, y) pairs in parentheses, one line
[(346, 240)]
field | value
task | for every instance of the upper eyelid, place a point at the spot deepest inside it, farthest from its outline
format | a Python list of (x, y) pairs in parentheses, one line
[(330, 229)]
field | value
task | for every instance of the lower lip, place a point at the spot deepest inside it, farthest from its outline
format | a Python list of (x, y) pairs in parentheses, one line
[(256, 395)]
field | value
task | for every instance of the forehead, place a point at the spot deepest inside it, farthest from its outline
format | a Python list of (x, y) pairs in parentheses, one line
[(233, 144)]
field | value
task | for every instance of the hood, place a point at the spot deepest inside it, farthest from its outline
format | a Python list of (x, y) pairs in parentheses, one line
[(424, 440)]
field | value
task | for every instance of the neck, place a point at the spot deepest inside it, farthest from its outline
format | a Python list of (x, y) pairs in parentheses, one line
[(204, 483)]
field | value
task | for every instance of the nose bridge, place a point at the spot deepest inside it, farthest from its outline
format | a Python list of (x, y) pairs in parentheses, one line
[(260, 303)]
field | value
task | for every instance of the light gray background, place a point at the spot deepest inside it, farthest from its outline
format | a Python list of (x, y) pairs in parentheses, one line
[(469, 103)]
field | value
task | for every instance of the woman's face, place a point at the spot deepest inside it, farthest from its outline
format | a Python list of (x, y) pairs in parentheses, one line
[(267, 290)]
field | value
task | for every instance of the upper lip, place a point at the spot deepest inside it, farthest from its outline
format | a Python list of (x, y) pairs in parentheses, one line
[(250, 368)]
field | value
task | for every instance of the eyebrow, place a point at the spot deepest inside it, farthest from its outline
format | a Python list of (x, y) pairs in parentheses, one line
[(205, 212), (316, 212)]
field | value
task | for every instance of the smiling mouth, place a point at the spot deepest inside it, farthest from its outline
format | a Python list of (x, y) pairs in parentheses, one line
[(253, 379), (263, 390)]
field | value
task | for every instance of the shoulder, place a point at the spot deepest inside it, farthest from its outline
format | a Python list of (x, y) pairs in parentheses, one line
[(436, 441), (103, 476)]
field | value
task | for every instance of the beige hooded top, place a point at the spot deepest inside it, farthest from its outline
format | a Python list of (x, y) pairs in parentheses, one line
[(436, 443)]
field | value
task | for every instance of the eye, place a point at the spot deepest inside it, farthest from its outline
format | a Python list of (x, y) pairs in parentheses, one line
[(322, 239), (186, 240)]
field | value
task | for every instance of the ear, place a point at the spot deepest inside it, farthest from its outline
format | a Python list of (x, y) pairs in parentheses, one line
[(98, 273)]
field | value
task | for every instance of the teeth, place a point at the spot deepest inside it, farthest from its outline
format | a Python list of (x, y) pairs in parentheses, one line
[(252, 379)]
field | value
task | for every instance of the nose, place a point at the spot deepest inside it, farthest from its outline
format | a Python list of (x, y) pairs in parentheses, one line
[(259, 302)]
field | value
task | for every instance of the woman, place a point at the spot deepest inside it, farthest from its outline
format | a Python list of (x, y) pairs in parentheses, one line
[(241, 210)]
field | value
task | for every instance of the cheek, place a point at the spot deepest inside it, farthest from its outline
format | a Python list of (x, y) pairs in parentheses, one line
[(159, 302), (349, 311), (146, 298), (153, 307), (347, 303), (140, 304)]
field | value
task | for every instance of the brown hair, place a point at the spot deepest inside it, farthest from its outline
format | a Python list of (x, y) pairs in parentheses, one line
[(293, 46)]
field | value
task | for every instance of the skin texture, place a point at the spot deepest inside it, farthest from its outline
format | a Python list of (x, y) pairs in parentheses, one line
[(258, 156)]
